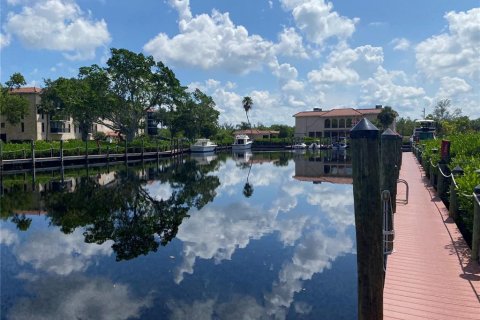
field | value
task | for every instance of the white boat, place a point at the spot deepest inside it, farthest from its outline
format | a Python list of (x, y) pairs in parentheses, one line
[(203, 145), (339, 146), (203, 158), (300, 146), (242, 142)]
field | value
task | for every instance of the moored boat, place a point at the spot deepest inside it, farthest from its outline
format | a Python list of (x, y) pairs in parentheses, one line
[(242, 142), (203, 145)]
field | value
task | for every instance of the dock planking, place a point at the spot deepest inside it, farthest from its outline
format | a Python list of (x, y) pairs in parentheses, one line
[(430, 274)]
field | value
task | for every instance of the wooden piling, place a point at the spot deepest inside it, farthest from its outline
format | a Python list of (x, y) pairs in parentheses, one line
[(32, 149), (368, 219), (61, 153), (126, 151), (389, 164)]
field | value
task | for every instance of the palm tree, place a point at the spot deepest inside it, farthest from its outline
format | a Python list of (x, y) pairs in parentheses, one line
[(248, 188), (247, 105)]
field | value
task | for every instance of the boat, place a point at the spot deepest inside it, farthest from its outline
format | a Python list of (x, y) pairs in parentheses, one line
[(299, 146), (339, 146), (242, 142), (203, 145), (203, 158), (425, 129)]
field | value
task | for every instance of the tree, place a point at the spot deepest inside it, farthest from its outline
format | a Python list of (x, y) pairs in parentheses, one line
[(196, 116), (442, 112), (247, 106), (85, 98), (405, 126), (12, 106), (137, 83), (387, 116)]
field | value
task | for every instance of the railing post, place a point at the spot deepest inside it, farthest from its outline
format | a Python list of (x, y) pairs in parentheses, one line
[(476, 224), (453, 207), (368, 219), (108, 153)]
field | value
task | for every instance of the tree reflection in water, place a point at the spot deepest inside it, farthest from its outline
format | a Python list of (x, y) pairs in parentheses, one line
[(124, 211)]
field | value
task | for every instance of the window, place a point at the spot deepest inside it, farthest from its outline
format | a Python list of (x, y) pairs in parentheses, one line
[(327, 123), (3, 125), (341, 123), (349, 123), (43, 115), (334, 123), (311, 134), (318, 134), (43, 127), (23, 127), (69, 127)]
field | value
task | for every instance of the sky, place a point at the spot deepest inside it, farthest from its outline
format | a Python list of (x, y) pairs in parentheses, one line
[(287, 55)]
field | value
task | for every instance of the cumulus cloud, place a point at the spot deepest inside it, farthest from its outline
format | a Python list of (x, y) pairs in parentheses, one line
[(77, 297), (348, 66), (290, 44), (315, 252), (4, 40), (401, 44), (212, 42), (453, 53), (450, 87), (317, 20), (58, 25), (390, 88), (57, 253)]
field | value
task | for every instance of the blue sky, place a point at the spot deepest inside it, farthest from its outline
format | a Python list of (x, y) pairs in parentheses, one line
[(288, 55)]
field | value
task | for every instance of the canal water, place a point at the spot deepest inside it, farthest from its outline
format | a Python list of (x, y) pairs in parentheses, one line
[(216, 236)]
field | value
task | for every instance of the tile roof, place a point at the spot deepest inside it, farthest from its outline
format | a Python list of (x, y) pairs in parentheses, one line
[(27, 90), (340, 112)]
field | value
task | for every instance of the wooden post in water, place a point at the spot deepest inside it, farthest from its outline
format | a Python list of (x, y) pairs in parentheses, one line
[(368, 219), (32, 149), (61, 153), (86, 151), (476, 224), (453, 207), (126, 150)]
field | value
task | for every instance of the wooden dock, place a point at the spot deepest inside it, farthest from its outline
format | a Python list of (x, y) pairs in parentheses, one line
[(430, 274)]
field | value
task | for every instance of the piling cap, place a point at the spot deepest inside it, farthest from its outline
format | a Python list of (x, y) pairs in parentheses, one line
[(389, 135), (457, 171), (364, 129)]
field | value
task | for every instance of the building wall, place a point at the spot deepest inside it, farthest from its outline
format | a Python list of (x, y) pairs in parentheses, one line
[(36, 126), (315, 127), (27, 128)]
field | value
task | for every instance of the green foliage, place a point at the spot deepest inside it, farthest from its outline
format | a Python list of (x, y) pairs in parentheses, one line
[(405, 126), (13, 106), (387, 116), (464, 151), (247, 103)]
